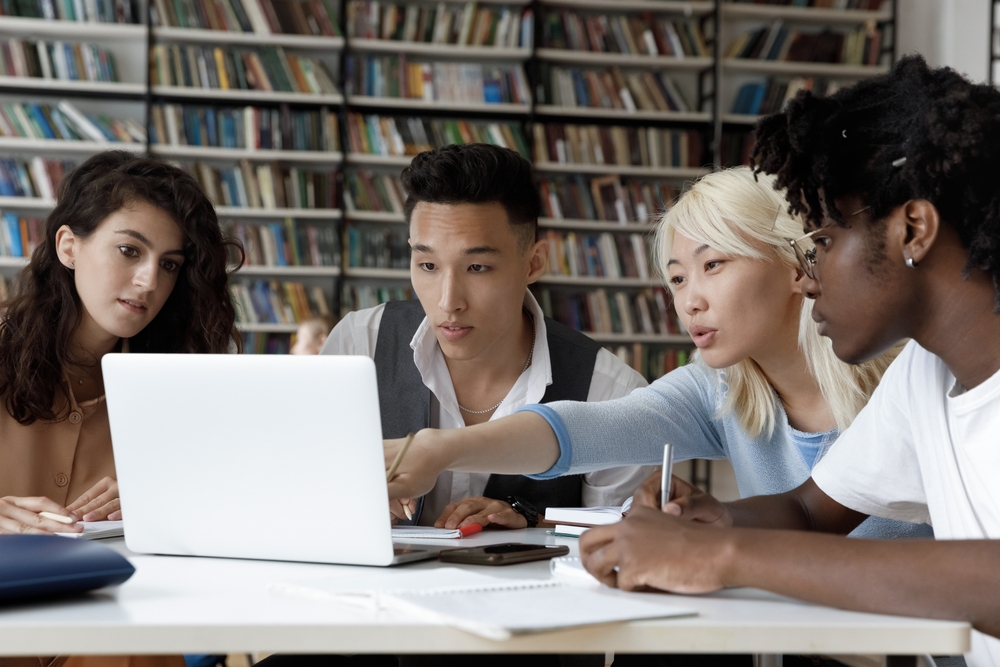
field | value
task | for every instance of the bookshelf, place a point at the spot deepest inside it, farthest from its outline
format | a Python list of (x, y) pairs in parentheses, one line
[(617, 103), (769, 50)]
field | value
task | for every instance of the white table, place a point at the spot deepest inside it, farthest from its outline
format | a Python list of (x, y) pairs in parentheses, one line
[(204, 605)]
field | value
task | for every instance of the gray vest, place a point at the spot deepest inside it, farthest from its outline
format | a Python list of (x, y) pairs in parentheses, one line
[(405, 401)]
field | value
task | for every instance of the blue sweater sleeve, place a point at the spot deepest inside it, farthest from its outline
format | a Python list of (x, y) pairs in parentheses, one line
[(678, 408)]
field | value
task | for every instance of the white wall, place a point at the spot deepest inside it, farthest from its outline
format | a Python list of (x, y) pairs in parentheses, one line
[(947, 32)]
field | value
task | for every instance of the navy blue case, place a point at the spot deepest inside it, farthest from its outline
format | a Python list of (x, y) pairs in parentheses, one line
[(33, 566)]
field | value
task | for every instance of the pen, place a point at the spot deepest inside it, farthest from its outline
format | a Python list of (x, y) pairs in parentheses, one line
[(666, 474), (57, 517), (471, 529), (391, 472)]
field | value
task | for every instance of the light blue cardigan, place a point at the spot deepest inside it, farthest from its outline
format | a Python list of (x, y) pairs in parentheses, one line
[(682, 408)]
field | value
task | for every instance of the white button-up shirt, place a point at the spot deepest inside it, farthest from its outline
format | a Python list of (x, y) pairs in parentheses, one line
[(357, 333)]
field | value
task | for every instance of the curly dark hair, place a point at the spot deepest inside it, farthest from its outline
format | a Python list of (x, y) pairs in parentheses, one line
[(914, 133), (40, 317), (476, 174)]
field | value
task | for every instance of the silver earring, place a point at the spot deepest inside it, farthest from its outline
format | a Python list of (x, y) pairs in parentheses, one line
[(910, 263)]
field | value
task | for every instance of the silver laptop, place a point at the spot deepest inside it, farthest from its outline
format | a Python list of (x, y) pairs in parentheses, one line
[(251, 456)]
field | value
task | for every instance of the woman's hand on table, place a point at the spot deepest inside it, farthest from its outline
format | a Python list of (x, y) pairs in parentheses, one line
[(484, 511), (100, 503), (22, 515)]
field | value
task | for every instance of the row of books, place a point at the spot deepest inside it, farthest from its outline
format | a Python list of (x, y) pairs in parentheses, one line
[(267, 68), (93, 11), (258, 342), (770, 96), (778, 43), (607, 198), (611, 89), (33, 177), (604, 255), (65, 121), (651, 361), (264, 17), (871, 5), (644, 34), (19, 236), (388, 135), (267, 186), (646, 311), (6, 288), (463, 25), (365, 190), (464, 83), (359, 297), (735, 147), (276, 302), (64, 61), (377, 247), (245, 127), (612, 145), (287, 243)]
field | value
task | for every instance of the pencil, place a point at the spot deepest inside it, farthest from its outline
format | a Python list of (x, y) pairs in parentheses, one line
[(391, 472)]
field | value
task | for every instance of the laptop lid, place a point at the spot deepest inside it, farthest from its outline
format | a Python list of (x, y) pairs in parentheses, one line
[(250, 456)]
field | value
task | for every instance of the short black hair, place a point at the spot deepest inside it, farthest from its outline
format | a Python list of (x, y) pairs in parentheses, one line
[(476, 174), (914, 133)]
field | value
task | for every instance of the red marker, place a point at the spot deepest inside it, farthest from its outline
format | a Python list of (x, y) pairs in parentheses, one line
[(471, 529)]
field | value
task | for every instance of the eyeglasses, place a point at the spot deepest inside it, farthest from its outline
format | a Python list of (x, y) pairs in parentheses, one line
[(807, 257)]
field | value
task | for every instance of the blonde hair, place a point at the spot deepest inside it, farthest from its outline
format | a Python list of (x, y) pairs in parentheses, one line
[(744, 216)]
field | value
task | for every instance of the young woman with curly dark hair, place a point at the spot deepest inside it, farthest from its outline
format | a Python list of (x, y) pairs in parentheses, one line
[(132, 259)]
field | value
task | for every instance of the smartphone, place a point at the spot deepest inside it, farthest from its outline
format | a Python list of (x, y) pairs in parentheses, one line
[(503, 554)]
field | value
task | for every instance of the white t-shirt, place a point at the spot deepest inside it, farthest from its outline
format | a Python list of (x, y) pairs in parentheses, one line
[(357, 333), (924, 450)]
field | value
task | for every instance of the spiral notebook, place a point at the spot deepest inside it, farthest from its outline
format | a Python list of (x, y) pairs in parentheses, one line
[(492, 607)]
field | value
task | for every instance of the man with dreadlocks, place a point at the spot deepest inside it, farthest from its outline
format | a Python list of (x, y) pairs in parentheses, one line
[(897, 179)]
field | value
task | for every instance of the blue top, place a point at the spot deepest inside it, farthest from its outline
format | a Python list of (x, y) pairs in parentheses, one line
[(682, 408)]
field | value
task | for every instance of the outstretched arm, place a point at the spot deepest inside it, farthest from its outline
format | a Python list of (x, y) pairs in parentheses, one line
[(954, 580)]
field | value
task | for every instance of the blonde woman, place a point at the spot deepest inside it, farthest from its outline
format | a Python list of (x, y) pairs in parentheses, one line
[(765, 391)]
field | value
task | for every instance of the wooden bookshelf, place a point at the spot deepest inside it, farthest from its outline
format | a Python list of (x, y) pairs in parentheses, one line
[(707, 82), (993, 70)]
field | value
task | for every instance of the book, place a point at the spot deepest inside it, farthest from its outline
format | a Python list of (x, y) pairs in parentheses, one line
[(610, 88), (643, 34), (98, 530), (398, 76), (777, 43), (275, 302), (617, 145), (36, 177), (285, 187), (245, 127), (587, 516), (498, 26), (393, 135), (106, 11), (357, 297), (492, 607), (563, 530), (425, 533), (377, 247)]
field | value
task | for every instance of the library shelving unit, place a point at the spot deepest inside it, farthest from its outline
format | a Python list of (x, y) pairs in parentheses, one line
[(274, 99), (854, 43), (64, 82), (994, 62)]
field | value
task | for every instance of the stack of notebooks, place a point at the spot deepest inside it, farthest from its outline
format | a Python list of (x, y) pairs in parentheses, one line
[(263, 17), (264, 68), (461, 25), (64, 61), (574, 521), (64, 121), (245, 127), (396, 76), (611, 89), (98, 530), (388, 135), (629, 35)]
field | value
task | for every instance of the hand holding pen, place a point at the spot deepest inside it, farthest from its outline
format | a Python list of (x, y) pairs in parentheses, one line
[(683, 499)]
